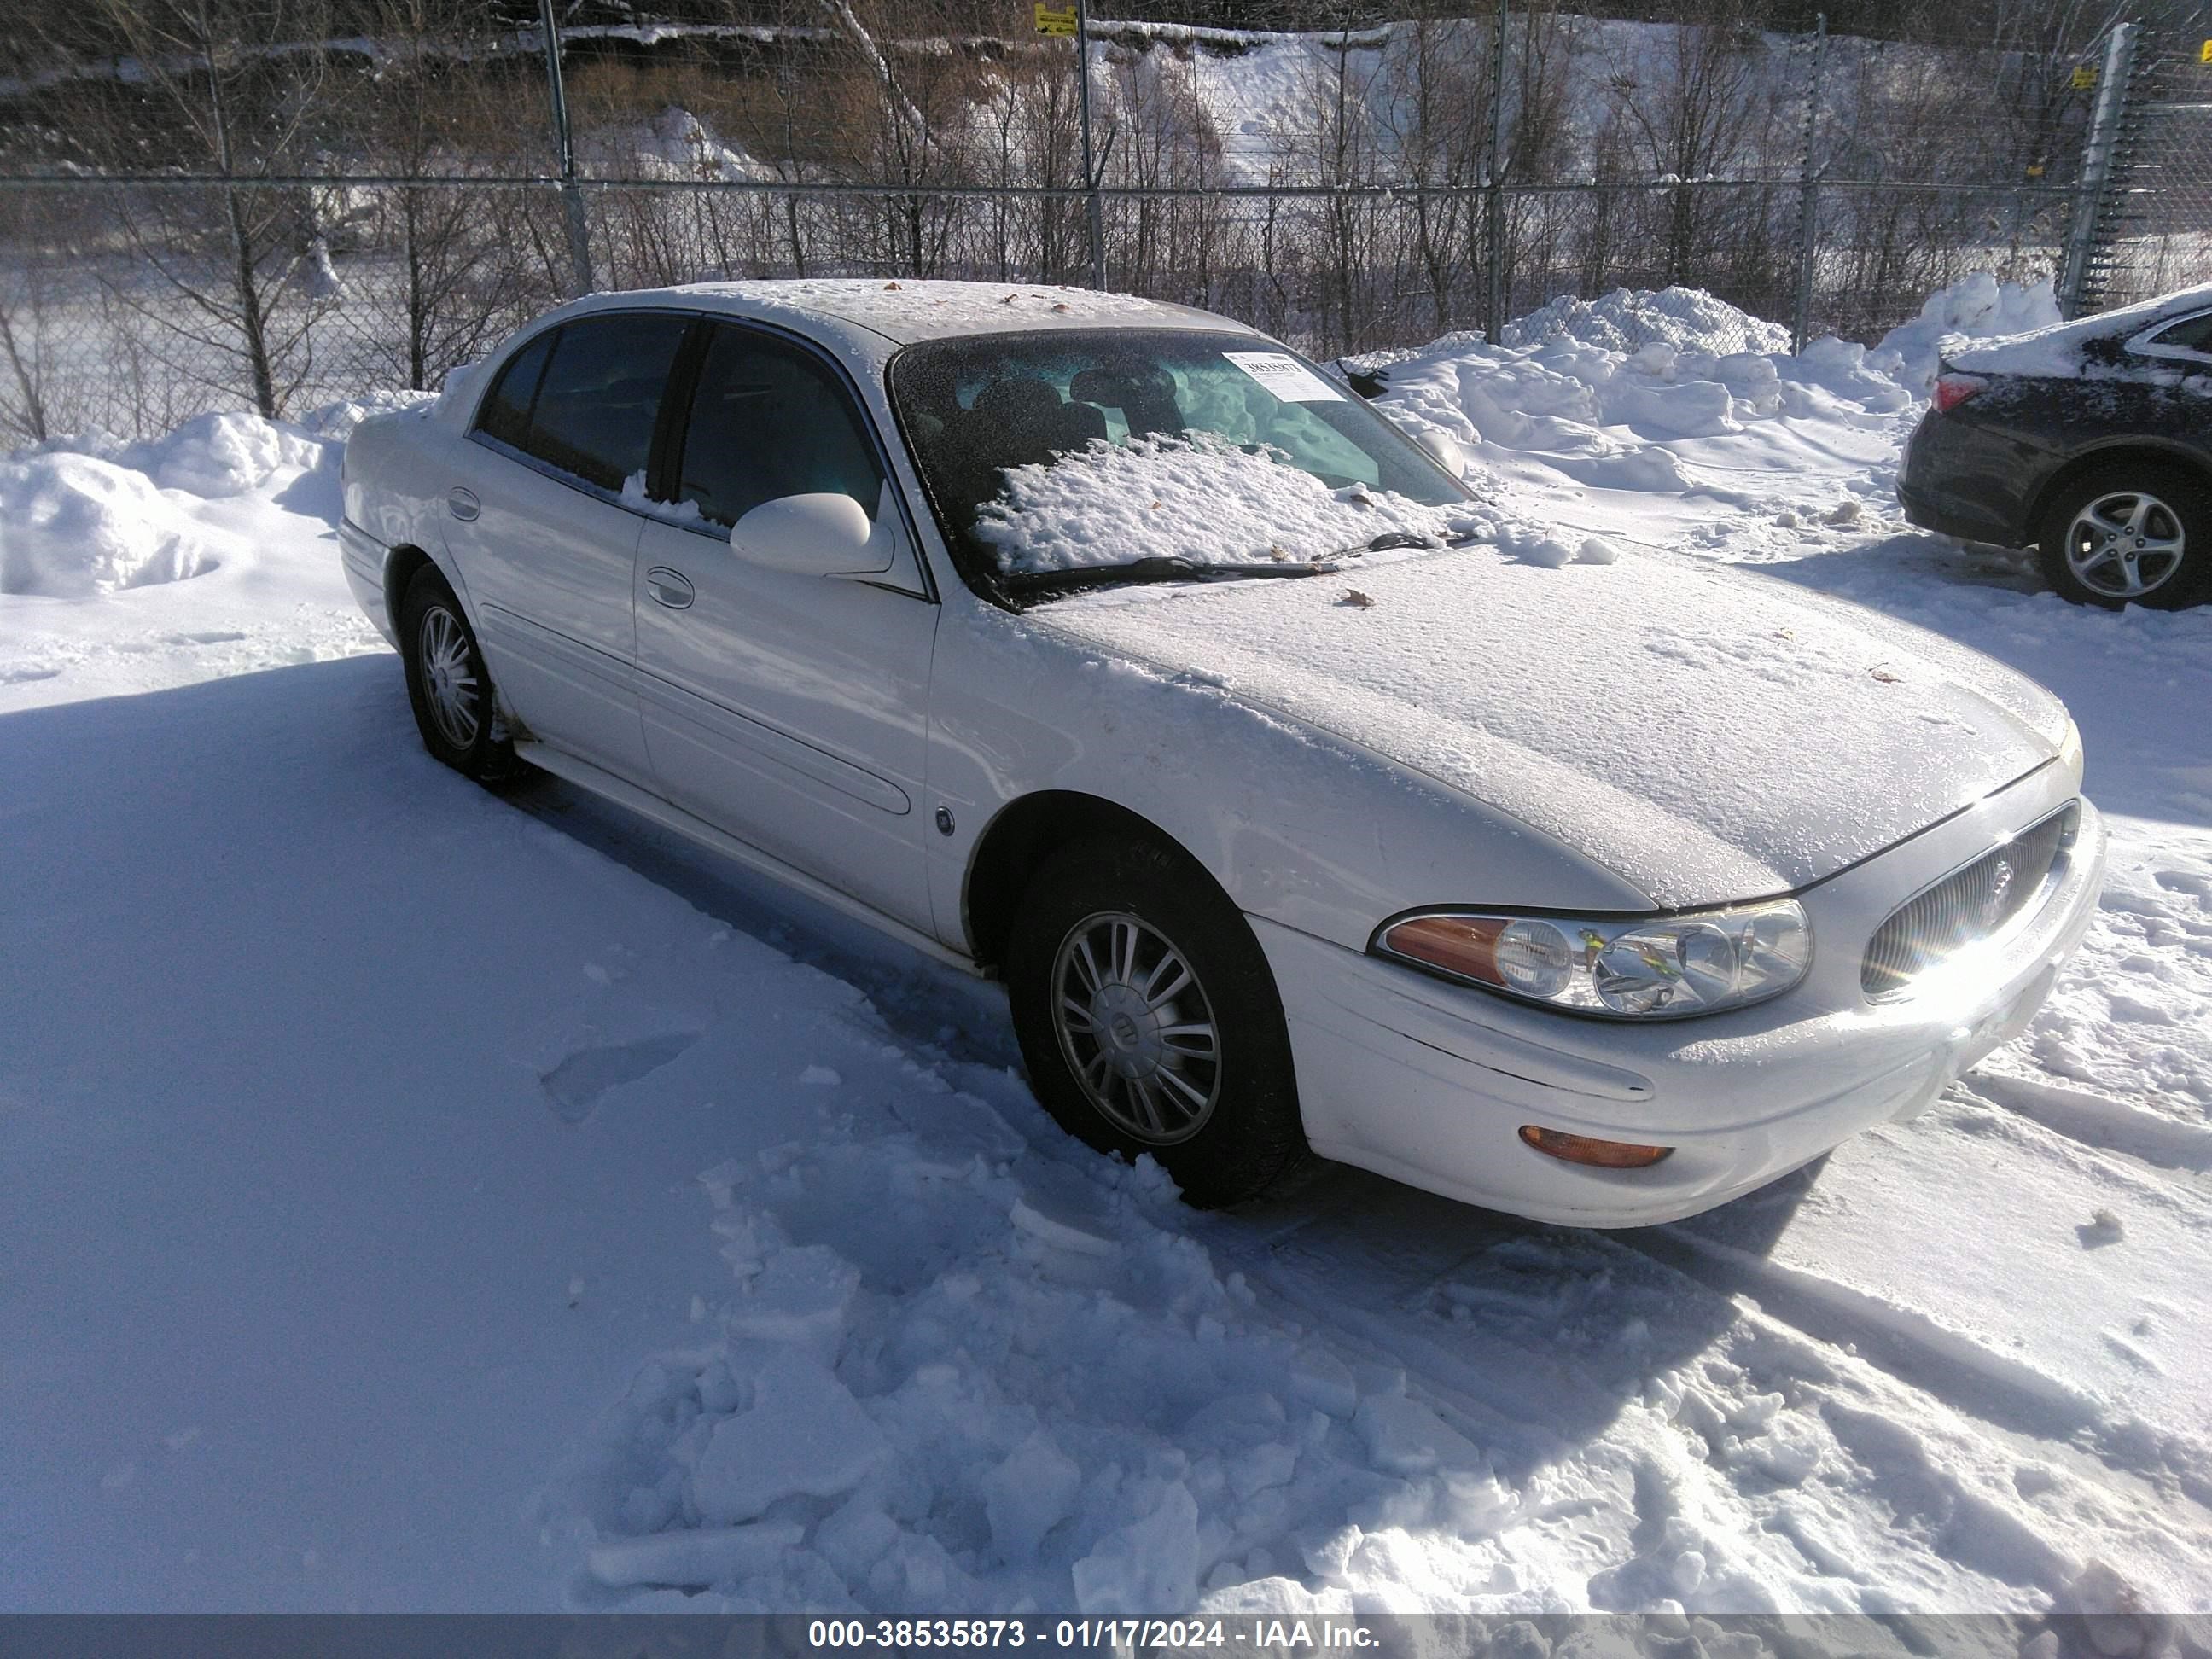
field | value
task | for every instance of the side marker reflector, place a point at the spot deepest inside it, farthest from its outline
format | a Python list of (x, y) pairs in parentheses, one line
[(1598, 1154)]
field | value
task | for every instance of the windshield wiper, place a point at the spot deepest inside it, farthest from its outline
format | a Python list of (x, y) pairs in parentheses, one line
[(1173, 568)]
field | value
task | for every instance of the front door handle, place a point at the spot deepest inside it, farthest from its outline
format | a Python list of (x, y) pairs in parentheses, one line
[(671, 587)]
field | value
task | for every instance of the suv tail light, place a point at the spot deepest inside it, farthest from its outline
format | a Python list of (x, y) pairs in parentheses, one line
[(1952, 390)]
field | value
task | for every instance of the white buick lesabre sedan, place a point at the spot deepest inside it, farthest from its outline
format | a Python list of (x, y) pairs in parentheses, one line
[(1109, 646)]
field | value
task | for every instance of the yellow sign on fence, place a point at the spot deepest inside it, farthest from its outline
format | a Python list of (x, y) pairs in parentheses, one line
[(2084, 78), (2205, 56), (1052, 20)]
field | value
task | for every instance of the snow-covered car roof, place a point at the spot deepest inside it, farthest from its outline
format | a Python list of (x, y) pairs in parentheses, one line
[(901, 312)]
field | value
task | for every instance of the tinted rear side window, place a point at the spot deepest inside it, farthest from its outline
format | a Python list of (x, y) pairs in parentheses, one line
[(769, 420), (505, 414), (601, 394)]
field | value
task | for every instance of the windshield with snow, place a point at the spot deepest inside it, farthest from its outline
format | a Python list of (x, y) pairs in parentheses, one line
[(1051, 458)]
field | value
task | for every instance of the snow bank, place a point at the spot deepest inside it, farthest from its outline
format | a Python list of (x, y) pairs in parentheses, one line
[(72, 525), (1606, 392), (1199, 498), (219, 455), (1977, 307), (1628, 318), (334, 422), (90, 514)]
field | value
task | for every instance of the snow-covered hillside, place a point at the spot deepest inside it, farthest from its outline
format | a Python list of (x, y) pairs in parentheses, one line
[(412, 1198)]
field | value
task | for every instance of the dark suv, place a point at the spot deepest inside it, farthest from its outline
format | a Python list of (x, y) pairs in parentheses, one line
[(2091, 442)]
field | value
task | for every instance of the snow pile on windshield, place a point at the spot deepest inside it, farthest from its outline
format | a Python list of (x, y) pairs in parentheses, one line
[(1977, 307), (2055, 349), (1199, 498)]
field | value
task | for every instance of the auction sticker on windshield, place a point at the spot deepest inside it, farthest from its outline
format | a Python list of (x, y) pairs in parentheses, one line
[(1285, 376)]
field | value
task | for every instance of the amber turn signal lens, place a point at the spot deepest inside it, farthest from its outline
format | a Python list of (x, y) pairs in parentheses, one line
[(1599, 1154), (1466, 945)]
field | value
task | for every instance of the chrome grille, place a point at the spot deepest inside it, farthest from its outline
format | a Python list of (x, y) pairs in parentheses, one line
[(1966, 906)]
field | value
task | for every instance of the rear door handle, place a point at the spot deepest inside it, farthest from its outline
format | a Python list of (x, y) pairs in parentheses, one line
[(462, 503), (671, 587)]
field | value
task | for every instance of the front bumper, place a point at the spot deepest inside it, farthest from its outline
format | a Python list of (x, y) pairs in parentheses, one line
[(1429, 1082)]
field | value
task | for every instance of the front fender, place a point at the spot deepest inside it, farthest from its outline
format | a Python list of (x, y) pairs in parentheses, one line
[(1298, 826)]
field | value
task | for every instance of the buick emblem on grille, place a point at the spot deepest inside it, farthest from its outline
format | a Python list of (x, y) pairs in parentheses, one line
[(1993, 901)]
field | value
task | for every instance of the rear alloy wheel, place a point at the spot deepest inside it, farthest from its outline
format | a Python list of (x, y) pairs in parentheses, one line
[(447, 684), (1149, 1021), (2130, 534)]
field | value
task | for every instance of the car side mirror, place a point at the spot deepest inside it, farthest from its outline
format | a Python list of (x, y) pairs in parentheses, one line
[(822, 534), (1443, 449)]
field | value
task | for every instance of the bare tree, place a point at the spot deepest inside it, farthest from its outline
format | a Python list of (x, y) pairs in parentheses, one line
[(1687, 109), (238, 274), (462, 277)]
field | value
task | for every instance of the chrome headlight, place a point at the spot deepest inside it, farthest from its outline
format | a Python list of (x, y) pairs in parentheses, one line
[(1636, 968)]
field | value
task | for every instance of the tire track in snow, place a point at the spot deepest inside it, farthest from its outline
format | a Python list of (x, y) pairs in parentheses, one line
[(2098, 1121), (1563, 1369), (1969, 1378)]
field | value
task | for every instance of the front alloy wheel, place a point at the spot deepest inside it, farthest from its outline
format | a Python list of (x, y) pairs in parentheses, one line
[(1149, 1020), (1136, 1028)]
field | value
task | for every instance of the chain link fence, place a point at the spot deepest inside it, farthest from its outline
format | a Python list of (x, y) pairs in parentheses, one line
[(397, 211), (2155, 231)]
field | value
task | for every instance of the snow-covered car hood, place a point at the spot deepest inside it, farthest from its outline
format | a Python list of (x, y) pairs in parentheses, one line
[(1708, 735)]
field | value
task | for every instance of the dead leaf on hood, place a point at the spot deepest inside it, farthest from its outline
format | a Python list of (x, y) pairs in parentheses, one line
[(1887, 677), (1785, 633), (1353, 596), (890, 288), (1060, 305)]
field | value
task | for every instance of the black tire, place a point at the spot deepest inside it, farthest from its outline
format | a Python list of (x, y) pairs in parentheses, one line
[(1248, 1134), (454, 710), (2176, 504)]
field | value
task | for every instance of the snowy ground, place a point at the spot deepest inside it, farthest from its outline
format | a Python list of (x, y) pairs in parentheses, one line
[(415, 1198)]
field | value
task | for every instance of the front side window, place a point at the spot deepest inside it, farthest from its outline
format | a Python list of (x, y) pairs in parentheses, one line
[(598, 396), (769, 420)]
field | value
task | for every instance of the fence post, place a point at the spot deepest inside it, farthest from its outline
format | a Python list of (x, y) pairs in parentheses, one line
[(1090, 168), (2105, 123), (1808, 214), (1494, 204), (571, 198)]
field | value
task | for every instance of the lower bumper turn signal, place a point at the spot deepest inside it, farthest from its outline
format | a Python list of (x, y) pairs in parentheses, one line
[(1599, 1154)]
